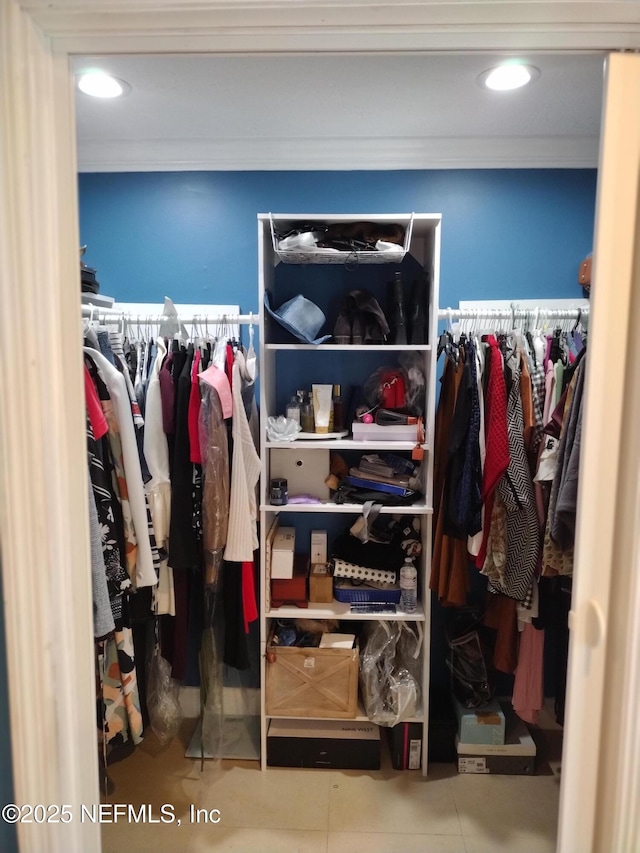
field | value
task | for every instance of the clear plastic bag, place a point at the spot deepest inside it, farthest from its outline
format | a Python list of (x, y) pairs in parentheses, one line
[(400, 388), (390, 666), (415, 388), (163, 698)]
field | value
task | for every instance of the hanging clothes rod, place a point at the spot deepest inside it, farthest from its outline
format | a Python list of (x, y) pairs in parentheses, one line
[(111, 316), (514, 313)]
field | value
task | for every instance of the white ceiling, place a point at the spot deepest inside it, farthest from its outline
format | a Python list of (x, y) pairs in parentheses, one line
[(306, 112)]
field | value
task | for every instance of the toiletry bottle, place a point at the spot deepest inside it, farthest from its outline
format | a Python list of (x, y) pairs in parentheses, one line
[(306, 414), (322, 407), (338, 409), (293, 410)]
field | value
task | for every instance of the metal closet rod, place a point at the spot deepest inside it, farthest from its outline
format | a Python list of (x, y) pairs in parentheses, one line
[(513, 313), (112, 315)]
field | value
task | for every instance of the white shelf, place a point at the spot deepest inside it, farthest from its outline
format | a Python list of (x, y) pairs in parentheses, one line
[(344, 444), (361, 717), (423, 244), (341, 610), (329, 506), (351, 347)]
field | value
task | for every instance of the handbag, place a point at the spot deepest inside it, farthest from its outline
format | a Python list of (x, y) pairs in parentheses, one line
[(584, 273)]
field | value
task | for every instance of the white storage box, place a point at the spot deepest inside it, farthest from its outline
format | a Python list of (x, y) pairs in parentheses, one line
[(284, 545), (375, 432)]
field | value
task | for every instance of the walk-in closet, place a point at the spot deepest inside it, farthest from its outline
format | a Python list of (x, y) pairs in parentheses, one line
[(470, 682), (342, 384)]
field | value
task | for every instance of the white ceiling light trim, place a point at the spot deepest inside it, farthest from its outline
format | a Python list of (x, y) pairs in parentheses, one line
[(99, 84), (508, 76)]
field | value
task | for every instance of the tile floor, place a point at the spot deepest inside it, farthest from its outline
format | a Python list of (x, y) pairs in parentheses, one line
[(325, 811)]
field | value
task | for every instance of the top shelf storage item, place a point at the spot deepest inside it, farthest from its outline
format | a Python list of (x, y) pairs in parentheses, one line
[(385, 241)]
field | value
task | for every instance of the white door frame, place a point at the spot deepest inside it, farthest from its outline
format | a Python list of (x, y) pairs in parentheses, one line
[(46, 582), (600, 794)]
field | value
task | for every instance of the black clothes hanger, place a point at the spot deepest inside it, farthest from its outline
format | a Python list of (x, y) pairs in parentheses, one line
[(555, 354), (446, 345)]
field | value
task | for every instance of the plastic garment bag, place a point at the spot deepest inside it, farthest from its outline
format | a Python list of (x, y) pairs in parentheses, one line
[(163, 698), (214, 449), (390, 671)]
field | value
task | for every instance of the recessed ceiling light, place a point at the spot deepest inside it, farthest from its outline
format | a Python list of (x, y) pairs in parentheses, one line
[(511, 75), (101, 85)]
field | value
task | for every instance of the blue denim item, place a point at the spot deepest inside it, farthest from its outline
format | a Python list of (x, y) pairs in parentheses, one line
[(301, 317), (105, 346)]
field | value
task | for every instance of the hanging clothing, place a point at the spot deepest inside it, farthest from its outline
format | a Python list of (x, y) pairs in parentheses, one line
[(194, 410), (183, 544), (156, 452), (528, 686), (94, 409), (242, 534), (103, 622), (145, 572), (557, 557), (563, 524), (158, 488), (122, 713), (474, 542), (516, 491), (214, 449), (462, 494), (497, 439), (116, 575), (449, 564)]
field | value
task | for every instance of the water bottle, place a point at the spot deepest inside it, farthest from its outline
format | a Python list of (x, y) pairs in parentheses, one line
[(408, 586)]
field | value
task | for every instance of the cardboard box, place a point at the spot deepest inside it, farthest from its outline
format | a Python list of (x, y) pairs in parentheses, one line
[(405, 741), (293, 590), (284, 545), (321, 584), (312, 682), (516, 756), (484, 725), (330, 744), (318, 546)]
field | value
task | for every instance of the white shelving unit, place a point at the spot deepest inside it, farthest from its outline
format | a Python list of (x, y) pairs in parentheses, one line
[(423, 245)]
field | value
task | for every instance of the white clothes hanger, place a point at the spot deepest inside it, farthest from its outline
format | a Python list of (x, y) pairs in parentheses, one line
[(251, 358), (220, 349)]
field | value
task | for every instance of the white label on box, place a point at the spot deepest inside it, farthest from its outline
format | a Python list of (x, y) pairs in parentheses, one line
[(318, 546), (309, 663), (414, 754), (472, 765)]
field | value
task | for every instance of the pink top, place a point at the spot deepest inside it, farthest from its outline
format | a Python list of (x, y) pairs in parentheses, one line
[(194, 411), (218, 379)]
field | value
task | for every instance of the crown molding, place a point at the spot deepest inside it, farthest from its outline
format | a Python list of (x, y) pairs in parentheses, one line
[(333, 25), (153, 155)]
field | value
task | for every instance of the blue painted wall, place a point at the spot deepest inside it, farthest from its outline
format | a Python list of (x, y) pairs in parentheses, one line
[(506, 234)]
